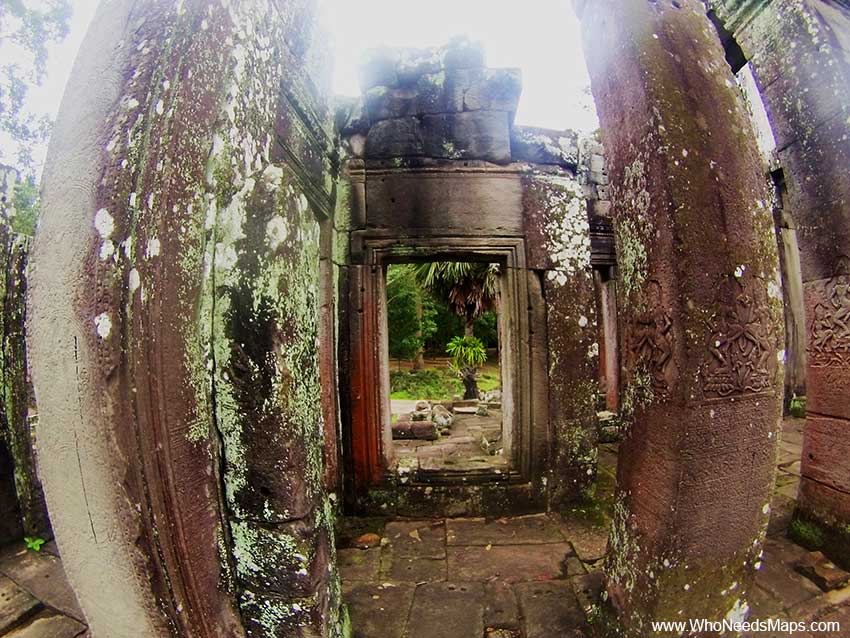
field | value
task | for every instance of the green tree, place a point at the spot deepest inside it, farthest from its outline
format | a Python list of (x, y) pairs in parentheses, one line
[(25, 33), (469, 288), (468, 355), (410, 314)]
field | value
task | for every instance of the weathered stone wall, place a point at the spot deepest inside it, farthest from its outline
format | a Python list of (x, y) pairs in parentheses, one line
[(175, 322), (444, 191), (23, 507), (700, 305), (440, 103)]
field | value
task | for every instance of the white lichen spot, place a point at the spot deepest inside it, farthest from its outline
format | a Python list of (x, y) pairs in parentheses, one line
[(160, 107), (738, 612), (103, 325), (773, 290), (104, 223), (133, 281), (739, 271), (582, 322), (107, 249), (277, 231), (153, 248)]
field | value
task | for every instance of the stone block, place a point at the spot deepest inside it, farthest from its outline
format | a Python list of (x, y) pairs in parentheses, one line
[(462, 53), (509, 563), (16, 605), (401, 137), (492, 90), (379, 611), (358, 564), (44, 577), (49, 626), (544, 146), (481, 135), (523, 530), (403, 430), (447, 610), (425, 430), (417, 539), (500, 606), (551, 609), (826, 452), (414, 63), (289, 559), (822, 572)]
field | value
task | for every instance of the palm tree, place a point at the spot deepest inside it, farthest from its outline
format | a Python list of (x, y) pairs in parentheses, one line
[(468, 355), (469, 288)]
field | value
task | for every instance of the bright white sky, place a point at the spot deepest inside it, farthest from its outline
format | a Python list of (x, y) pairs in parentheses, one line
[(541, 37)]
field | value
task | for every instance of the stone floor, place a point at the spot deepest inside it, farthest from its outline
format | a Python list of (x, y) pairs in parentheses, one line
[(35, 598), (536, 576), (467, 449), (518, 577)]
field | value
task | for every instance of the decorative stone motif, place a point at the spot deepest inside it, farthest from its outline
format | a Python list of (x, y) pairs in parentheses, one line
[(740, 346), (829, 340), (651, 340)]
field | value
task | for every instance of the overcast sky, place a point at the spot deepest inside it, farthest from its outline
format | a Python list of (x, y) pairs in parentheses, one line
[(539, 36)]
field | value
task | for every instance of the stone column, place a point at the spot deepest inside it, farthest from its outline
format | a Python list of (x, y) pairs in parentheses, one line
[(701, 309), (800, 53), (556, 224), (175, 319)]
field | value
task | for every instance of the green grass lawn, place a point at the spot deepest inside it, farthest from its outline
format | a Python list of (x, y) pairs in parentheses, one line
[(438, 384)]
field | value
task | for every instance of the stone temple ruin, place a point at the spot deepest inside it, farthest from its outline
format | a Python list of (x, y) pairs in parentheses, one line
[(206, 326)]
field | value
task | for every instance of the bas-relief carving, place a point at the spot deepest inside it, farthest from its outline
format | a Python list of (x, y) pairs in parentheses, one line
[(651, 339), (829, 326), (740, 349)]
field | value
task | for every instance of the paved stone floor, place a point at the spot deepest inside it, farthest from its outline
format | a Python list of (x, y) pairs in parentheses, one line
[(35, 599), (535, 576), (466, 449), (461, 578)]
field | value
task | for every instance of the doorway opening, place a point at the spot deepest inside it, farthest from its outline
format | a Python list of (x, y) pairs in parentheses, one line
[(445, 369)]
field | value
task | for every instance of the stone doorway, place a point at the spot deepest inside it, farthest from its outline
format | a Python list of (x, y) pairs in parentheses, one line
[(445, 371)]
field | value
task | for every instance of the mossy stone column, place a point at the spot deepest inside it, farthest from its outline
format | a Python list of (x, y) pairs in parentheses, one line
[(701, 314), (175, 320), (800, 54)]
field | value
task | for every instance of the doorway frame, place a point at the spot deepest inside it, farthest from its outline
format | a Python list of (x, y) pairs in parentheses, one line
[(370, 438)]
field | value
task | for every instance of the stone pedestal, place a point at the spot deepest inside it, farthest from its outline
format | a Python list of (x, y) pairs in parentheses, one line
[(701, 313)]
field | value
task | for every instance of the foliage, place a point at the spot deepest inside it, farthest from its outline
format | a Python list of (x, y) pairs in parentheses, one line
[(25, 33), (410, 313), (486, 329), (798, 407), (806, 534), (467, 352), (34, 543), (470, 289), (26, 204)]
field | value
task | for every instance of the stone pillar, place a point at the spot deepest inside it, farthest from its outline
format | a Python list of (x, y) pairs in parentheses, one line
[(800, 54), (556, 223), (701, 310), (175, 319)]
